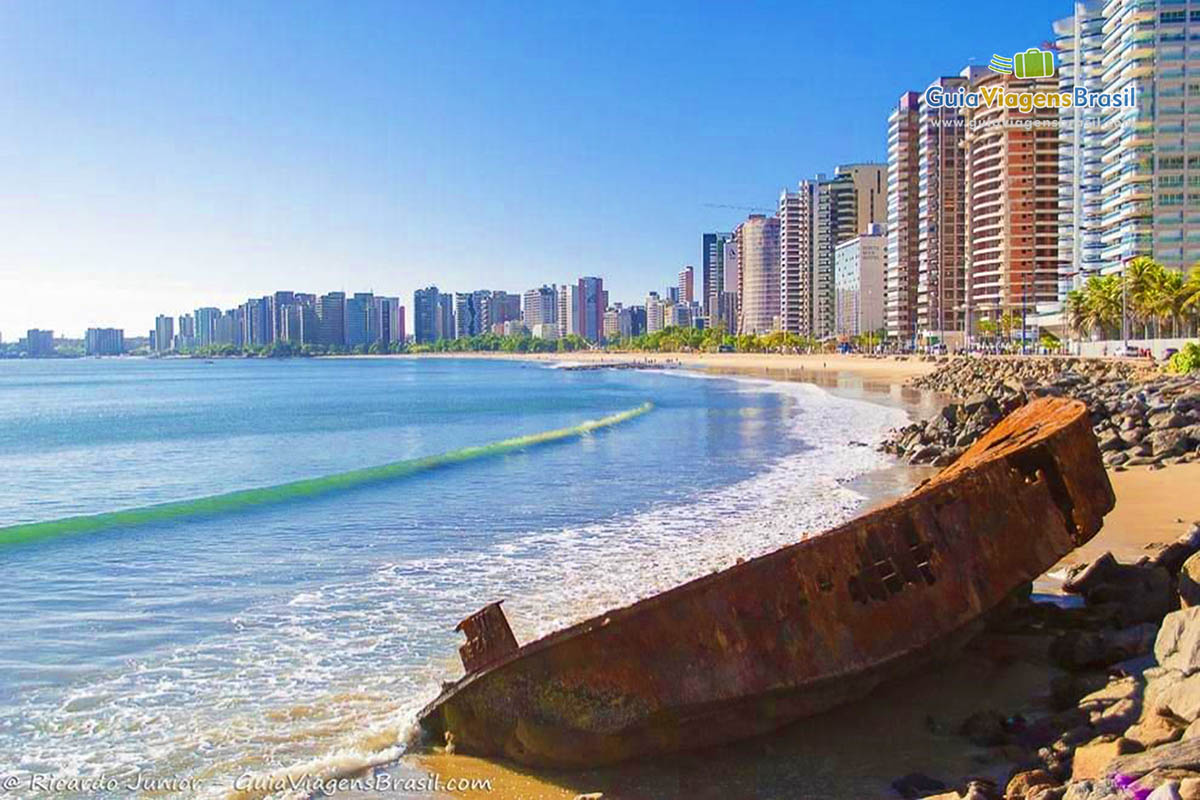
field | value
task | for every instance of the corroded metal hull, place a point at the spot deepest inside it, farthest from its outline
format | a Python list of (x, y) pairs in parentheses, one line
[(794, 632)]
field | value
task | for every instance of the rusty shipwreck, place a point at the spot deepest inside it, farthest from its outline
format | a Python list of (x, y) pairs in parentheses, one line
[(795, 632)]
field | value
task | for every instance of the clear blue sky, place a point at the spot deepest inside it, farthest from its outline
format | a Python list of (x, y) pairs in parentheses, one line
[(159, 156)]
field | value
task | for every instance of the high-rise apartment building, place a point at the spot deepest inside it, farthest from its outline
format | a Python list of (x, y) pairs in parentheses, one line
[(591, 300), (901, 273), (858, 283), (713, 250), (541, 306), (257, 326), (357, 319), (1079, 40), (206, 325), (331, 319), (655, 313), (425, 312), (941, 214), (1133, 185), (164, 333), (813, 221), (385, 321), (465, 317), (40, 343), (503, 307), (104, 342), (1012, 203), (796, 219), (687, 279), (280, 304), (758, 273), (846, 205)]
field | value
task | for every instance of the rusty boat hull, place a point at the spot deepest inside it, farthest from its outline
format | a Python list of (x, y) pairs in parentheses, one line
[(797, 631)]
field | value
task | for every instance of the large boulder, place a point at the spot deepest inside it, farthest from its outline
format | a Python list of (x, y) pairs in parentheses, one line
[(1177, 646), (1169, 442), (1189, 580), (1155, 728), (1023, 783), (1175, 695), (1184, 754), (1092, 761), (1082, 649)]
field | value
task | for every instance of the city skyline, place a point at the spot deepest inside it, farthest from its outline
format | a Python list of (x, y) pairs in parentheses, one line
[(346, 162)]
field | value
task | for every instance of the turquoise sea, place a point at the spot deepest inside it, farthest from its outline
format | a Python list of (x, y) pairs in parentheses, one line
[(304, 634)]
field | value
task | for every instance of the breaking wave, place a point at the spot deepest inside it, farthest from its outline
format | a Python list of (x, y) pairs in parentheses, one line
[(307, 488)]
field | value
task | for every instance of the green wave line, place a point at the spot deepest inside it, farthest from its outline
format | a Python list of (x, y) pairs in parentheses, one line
[(301, 489)]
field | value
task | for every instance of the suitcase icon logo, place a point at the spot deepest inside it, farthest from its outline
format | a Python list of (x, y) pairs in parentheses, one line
[(1033, 63)]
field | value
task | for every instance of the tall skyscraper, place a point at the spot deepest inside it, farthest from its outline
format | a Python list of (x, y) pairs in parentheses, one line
[(426, 315), (941, 215), (846, 205), (40, 343), (713, 247), (901, 274), (758, 273), (687, 278), (257, 327), (503, 307), (1012, 204), (796, 219), (858, 283), (466, 315), (357, 319), (1131, 182), (813, 221), (444, 318), (331, 319), (541, 306), (164, 333), (655, 313), (206, 325), (280, 304), (104, 342), (591, 300), (1080, 42)]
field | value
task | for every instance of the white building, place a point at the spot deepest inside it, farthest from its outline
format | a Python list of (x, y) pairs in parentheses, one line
[(859, 266)]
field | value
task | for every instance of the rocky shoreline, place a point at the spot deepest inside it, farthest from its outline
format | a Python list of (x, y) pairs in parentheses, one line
[(1122, 719), (1142, 417)]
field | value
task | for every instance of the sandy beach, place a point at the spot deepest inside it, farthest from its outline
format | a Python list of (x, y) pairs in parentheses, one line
[(886, 371), (856, 751)]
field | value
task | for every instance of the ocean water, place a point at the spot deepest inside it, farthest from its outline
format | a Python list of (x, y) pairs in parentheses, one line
[(301, 636)]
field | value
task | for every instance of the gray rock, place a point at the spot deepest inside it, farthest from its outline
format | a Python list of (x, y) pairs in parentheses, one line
[(1189, 580), (1112, 441), (1184, 754), (1168, 419), (1178, 697), (1177, 646), (1169, 442)]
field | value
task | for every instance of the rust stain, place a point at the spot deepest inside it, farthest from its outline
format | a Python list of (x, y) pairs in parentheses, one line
[(794, 632)]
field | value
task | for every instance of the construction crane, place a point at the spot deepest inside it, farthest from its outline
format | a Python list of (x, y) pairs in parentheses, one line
[(739, 208)]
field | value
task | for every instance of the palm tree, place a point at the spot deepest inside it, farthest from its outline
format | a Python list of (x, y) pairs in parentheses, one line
[(1142, 275), (1103, 306), (1191, 294), (1077, 314)]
